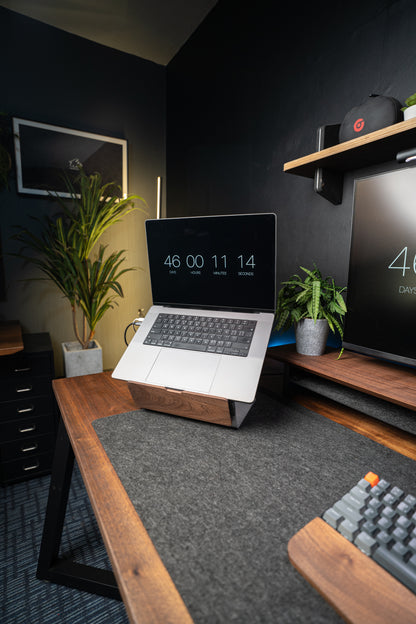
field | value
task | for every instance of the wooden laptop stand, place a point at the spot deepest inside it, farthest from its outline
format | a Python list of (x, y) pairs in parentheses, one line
[(189, 404)]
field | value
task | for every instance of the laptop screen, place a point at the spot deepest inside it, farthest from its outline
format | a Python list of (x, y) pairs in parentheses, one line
[(220, 262)]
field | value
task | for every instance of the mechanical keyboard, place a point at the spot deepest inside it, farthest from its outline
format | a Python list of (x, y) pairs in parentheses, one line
[(380, 519), (202, 333)]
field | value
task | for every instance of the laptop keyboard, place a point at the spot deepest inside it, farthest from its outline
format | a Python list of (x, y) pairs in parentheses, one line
[(380, 519), (202, 333)]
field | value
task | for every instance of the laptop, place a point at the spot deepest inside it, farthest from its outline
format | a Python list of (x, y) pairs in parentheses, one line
[(214, 278)]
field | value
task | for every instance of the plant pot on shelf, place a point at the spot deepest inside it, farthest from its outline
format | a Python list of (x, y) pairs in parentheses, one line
[(409, 112), (311, 336), (80, 361)]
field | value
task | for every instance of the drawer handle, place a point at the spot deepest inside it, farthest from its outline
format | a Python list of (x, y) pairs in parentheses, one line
[(26, 449), (23, 370), (27, 429), (25, 389), (24, 410), (32, 466)]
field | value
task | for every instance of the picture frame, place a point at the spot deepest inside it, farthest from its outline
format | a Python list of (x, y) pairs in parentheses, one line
[(45, 153)]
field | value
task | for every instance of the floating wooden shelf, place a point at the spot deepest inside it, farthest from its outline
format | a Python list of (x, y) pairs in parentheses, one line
[(364, 151)]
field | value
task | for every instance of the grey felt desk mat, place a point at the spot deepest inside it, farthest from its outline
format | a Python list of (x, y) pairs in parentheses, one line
[(220, 504)]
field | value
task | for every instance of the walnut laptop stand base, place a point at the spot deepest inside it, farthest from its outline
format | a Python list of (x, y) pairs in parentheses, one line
[(215, 410)]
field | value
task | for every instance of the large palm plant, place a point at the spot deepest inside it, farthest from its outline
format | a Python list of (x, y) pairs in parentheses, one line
[(65, 249)]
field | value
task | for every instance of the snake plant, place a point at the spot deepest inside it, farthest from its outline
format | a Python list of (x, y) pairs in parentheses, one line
[(65, 250), (312, 297)]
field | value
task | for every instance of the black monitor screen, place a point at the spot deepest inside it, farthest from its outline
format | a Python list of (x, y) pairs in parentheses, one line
[(381, 296), (223, 262)]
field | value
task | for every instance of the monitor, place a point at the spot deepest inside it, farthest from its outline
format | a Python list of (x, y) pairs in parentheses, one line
[(381, 295)]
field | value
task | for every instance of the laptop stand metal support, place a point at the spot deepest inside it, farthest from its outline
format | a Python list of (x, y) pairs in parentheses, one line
[(215, 410), (51, 567)]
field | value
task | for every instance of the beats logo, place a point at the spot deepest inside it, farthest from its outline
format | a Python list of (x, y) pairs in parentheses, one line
[(359, 125)]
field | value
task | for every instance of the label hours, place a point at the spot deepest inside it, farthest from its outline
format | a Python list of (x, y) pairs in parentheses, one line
[(194, 262)]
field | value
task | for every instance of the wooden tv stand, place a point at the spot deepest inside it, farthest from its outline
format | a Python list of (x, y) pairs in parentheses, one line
[(378, 378)]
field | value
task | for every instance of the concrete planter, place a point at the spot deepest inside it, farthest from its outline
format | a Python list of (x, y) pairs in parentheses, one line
[(311, 336), (82, 361), (409, 112)]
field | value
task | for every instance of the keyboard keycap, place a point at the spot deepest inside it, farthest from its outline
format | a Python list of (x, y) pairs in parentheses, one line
[(349, 529), (333, 517), (365, 542)]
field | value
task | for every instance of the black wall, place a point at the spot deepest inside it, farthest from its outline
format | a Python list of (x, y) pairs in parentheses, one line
[(246, 94), (54, 77)]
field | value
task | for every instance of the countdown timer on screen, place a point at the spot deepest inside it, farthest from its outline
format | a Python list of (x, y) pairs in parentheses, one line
[(216, 262), (381, 296)]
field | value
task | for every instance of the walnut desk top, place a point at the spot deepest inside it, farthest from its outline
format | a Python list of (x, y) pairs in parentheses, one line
[(146, 588), (148, 592)]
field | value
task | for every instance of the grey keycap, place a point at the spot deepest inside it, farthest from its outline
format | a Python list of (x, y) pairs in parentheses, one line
[(349, 529), (332, 517), (365, 542)]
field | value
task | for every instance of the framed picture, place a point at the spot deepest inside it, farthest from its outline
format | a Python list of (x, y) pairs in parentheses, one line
[(44, 153)]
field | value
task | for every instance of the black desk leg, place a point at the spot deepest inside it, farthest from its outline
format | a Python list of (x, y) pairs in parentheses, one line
[(50, 566)]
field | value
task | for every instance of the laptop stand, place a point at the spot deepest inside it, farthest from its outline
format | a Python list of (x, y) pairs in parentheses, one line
[(215, 410)]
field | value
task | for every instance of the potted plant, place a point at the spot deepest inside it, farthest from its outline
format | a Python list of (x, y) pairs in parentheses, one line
[(66, 252), (314, 305), (409, 110)]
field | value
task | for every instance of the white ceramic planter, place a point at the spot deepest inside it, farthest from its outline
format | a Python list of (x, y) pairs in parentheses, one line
[(311, 336), (79, 361), (409, 112)]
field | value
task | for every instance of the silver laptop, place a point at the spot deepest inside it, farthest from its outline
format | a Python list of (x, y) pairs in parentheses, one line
[(213, 285)]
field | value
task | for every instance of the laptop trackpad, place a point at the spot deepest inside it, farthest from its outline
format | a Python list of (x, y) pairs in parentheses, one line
[(184, 370)]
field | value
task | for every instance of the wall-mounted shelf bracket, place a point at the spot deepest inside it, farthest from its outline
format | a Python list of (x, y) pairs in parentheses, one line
[(329, 184)]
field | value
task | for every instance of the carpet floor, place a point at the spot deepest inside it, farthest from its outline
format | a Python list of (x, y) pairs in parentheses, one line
[(24, 598)]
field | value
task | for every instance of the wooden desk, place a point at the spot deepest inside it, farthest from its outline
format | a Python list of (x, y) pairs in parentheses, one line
[(145, 586), (11, 340), (139, 576)]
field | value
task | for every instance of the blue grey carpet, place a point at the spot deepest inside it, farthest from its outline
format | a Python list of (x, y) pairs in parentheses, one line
[(24, 598)]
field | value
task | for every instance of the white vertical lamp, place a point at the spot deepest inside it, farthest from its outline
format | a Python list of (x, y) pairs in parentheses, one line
[(158, 197)]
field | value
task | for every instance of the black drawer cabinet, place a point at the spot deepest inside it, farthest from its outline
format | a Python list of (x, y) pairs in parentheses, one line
[(28, 412)]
